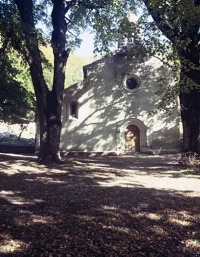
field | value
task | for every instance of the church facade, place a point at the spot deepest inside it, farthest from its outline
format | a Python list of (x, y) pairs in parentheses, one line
[(108, 112)]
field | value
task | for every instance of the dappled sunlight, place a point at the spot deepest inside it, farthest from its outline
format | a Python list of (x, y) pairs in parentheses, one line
[(180, 222), (106, 108), (192, 243), (97, 206), (152, 216), (42, 219), (137, 173), (15, 198), (117, 228), (133, 179), (20, 166), (51, 180), (150, 225), (181, 218), (159, 231), (9, 246)]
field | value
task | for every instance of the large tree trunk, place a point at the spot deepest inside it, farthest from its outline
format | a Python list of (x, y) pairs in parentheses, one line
[(49, 103), (190, 111), (190, 115), (55, 97), (184, 37)]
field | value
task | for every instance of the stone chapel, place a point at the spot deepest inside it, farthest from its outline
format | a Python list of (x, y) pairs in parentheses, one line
[(108, 112)]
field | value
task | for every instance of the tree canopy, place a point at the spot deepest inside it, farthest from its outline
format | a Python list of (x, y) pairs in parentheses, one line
[(65, 19), (170, 30), (179, 22), (16, 95)]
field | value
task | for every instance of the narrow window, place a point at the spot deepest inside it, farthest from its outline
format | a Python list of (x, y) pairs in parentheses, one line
[(74, 110)]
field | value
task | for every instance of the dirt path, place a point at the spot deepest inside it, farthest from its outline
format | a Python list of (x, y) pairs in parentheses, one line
[(99, 206)]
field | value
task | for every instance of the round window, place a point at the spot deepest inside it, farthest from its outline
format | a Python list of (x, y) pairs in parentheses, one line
[(131, 82)]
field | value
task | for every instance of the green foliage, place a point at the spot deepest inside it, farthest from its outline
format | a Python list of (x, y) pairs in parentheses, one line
[(16, 100), (170, 31), (106, 24), (74, 71), (16, 91), (165, 35)]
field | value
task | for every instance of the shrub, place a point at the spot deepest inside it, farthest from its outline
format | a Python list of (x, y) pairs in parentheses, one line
[(191, 160)]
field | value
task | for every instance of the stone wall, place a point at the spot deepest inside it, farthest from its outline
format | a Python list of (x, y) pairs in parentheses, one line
[(106, 107)]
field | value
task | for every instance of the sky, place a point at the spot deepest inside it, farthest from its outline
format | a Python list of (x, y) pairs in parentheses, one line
[(86, 48), (87, 45)]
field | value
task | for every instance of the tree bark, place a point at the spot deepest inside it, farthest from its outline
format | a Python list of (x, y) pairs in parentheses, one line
[(55, 97), (190, 115), (190, 95), (49, 103)]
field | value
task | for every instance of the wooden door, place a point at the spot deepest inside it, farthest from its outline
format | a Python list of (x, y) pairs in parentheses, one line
[(132, 139)]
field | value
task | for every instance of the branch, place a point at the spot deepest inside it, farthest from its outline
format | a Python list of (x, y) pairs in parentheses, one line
[(70, 4), (67, 20), (174, 68), (72, 34), (160, 22), (85, 3)]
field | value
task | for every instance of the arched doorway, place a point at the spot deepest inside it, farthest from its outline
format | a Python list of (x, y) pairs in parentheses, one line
[(132, 139), (138, 128)]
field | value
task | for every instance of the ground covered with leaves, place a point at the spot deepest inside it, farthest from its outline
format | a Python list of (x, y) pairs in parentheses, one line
[(99, 206)]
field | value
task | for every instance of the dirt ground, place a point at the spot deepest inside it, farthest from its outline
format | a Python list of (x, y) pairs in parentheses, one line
[(113, 206)]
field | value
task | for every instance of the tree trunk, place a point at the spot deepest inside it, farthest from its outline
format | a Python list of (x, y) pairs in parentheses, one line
[(190, 119), (190, 114), (55, 97), (49, 103), (50, 134)]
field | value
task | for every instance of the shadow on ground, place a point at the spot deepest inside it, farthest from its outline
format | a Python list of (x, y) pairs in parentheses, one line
[(106, 206)]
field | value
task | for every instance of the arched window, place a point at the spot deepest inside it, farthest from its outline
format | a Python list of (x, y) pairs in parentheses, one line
[(74, 110)]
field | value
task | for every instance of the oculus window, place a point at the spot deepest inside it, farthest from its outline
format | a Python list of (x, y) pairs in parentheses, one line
[(131, 82)]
